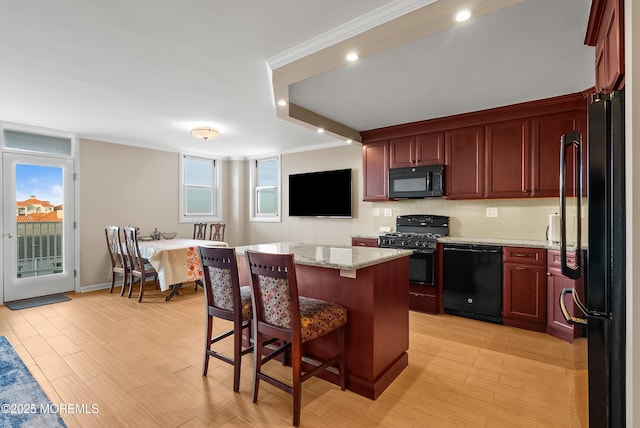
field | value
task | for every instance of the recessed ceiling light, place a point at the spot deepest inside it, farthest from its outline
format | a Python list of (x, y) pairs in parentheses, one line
[(320, 130), (352, 56), (463, 15), (349, 141), (282, 103)]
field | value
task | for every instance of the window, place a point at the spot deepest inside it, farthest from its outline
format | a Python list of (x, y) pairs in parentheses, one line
[(14, 139), (199, 192), (265, 194)]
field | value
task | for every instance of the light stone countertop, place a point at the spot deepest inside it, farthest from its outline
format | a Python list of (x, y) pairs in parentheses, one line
[(505, 242), (329, 256)]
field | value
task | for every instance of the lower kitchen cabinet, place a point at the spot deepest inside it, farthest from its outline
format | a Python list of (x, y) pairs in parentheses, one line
[(524, 294), (556, 324), (424, 298), (364, 242)]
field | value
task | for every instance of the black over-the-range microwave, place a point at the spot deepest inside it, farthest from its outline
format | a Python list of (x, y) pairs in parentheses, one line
[(416, 182)]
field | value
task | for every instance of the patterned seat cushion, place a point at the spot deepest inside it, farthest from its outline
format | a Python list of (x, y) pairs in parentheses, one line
[(247, 308), (318, 317), (222, 294)]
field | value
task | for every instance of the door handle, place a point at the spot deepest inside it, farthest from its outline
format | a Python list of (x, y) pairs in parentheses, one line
[(569, 140), (11, 235), (588, 314)]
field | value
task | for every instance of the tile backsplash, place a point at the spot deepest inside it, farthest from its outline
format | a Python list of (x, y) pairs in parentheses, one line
[(516, 218)]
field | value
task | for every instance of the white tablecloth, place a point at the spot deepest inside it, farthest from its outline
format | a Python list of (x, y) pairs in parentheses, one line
[(176, 260)]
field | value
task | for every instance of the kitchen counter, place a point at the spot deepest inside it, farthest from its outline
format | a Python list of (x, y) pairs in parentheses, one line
[(373, 285), (504, 242), (329, 256)]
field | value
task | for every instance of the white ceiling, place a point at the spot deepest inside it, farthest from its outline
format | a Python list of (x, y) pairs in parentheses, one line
[(145, 72)]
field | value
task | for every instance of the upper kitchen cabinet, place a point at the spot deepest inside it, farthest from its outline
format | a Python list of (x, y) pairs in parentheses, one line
[(605, 31), (508, 159), (504, 152), (464, 163), (375, 167), (547, 131), (418, 150)]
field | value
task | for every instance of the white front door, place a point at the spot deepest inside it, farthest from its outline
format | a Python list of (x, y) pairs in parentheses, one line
[(38, 225)]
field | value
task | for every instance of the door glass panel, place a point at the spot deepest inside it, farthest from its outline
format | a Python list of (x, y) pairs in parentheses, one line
[(39, 217)]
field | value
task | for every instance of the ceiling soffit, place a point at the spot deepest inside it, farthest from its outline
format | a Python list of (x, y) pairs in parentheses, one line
[(378, 31)]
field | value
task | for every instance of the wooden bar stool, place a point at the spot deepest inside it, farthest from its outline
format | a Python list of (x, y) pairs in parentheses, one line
[(228, 301), (279, 312)]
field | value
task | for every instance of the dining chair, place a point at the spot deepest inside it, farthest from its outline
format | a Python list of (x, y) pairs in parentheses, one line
[(119, 265), (280, 312), (228, 301), (138, 266), (200, 231), (217, 231)]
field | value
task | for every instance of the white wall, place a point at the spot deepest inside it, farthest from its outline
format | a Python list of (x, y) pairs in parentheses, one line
[(320, 231), (126, 185)]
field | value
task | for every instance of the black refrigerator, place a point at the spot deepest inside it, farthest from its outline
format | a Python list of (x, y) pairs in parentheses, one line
[(603, 305)]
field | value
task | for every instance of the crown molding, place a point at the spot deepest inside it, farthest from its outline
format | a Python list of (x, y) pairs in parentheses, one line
[(346, 31)]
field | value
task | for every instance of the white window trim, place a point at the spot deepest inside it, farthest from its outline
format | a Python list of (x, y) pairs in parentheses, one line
[(252, 199), (217, 193)]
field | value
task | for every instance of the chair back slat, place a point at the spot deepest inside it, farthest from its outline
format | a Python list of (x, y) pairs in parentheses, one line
[(114, 244), (275, 289), (217, 231), (200, 231), (220, 275), (132, 249)]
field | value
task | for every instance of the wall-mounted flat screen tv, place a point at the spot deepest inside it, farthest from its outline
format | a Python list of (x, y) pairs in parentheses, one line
[(321, 194)]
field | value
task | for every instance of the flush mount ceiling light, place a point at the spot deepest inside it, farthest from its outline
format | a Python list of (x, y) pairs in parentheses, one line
[(204, 132), (462, 16), (352, 57)]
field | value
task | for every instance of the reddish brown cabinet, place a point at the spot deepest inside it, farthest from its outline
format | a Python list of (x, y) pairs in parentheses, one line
[(508, 159), (547, 131), (605, 31), (364, 242), (506, 152), (556, 324), (375, 166), (524, 292), (464, 163), (418, 150)]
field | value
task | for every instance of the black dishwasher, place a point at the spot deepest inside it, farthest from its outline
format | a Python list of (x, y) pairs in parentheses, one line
[(472, 281)]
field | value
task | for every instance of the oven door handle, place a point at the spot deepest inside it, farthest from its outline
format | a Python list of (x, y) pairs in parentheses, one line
[(472, 250)]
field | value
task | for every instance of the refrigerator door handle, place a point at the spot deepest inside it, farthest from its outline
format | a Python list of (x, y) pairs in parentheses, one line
[(568, 141), (576, 299), (563, 307)]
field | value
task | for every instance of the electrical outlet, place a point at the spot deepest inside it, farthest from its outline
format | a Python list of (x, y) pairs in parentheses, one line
[(375, 212), (492, 212), (387, 212)]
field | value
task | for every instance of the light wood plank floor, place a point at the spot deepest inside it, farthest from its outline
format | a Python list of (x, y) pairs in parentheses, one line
[(141, 364)]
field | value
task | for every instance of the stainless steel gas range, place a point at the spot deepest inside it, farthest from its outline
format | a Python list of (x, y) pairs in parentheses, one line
[(418, 232)]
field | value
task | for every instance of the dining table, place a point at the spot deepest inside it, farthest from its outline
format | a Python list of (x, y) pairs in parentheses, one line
[(176, 260)]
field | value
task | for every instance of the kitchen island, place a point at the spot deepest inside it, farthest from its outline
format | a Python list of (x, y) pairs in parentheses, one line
[(373, 285)]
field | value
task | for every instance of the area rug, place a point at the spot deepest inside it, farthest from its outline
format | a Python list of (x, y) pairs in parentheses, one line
[(22, 402), (36, 301)]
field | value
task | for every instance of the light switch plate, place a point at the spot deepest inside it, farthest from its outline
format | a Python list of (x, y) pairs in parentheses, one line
[(387, 212), (492, 212), (375, 212)]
